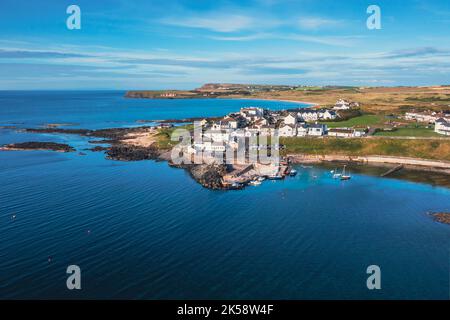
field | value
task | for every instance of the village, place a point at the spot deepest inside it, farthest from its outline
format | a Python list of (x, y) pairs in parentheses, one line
[(257, 131), (258, 122), (253, 134), (441, 120)]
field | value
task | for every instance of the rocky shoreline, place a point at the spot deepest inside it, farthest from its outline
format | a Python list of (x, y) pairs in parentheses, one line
[(129, 144), (121, 148), (208, 175), (37, 145)]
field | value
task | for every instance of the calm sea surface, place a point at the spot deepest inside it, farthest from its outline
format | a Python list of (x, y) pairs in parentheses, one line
[(146, 230)]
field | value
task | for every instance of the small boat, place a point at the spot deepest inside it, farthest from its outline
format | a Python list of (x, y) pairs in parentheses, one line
[(293, 173), (261, 179), (344, 176), (255, 183), (336, 174), (275, 177), (236, 186)]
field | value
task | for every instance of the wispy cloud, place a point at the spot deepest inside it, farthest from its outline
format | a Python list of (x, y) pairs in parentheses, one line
[(18, 54), (315, 23), (340, 41), (416, 52), (250, 37), (213, 22)]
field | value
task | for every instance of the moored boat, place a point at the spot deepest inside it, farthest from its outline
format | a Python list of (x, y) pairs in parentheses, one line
[(275, 177), (336, 174), (345, 176), (236, 186)]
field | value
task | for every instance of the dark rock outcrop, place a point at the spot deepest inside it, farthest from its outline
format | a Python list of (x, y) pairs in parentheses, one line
[(37, 145), (442, 217), (112, 134), (98, 149), (208, 175), (124, 152)]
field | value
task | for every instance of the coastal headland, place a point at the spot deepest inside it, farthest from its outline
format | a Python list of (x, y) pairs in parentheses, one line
[(372, 99), (151, 143), (368, 126)]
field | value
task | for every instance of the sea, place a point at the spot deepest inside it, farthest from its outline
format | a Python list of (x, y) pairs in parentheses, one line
[(144, 230)]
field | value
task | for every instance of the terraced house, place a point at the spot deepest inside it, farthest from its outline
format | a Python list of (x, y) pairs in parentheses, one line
[(442, 126)]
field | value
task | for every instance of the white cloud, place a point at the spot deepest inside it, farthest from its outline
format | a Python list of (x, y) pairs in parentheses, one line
[(314, 23), (218, 23), (339, 41), (256, 36)]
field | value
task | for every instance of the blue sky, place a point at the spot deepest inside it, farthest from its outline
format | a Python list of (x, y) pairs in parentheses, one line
[(137, 44)]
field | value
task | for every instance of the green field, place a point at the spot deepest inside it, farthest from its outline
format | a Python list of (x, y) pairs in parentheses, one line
[(163, 137), (361, 121), (424, 149), (409, 132)]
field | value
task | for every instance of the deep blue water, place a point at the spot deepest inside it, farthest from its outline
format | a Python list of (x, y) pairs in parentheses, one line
[(146, 230)]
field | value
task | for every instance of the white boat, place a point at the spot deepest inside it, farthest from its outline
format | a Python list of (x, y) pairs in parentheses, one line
[(336, 175), (261, 179), (255, 183), (344, 176)]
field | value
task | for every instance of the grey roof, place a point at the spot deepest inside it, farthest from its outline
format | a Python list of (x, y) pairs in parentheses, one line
[(317, 125)]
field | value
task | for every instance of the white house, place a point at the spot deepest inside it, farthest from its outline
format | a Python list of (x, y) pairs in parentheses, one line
[(267, 130), (260, 123), (345, 132), (309, 115), (317, 129), (302, 131), (287, 130), (341, 104), (442, 126), (252, 113), (341, 132), (217, 135), (328, 115), (290, 119), (225, 124), (426, 116), (229, 123)]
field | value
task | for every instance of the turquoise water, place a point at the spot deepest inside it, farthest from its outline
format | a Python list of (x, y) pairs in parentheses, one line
[(146, 230)]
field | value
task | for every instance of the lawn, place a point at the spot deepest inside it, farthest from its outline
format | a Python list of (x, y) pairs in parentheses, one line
[(163, 137), (425, 149), (409, 132), (361, 121)]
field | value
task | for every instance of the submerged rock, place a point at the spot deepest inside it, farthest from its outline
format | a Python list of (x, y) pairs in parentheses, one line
[(98, 149), (442, 217)]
